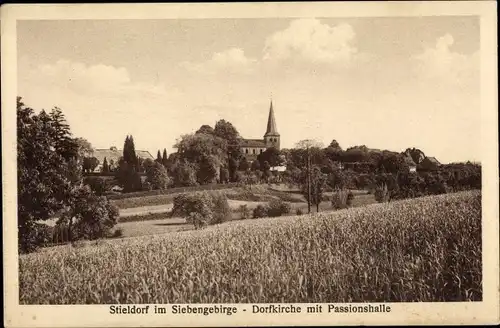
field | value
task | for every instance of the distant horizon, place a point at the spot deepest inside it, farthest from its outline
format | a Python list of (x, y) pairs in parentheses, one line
[(389, 83)]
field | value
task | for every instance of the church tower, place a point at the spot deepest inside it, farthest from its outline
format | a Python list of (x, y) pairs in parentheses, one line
[(272, 137)]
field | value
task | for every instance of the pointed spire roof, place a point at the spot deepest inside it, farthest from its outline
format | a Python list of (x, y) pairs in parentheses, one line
[(271, 123)]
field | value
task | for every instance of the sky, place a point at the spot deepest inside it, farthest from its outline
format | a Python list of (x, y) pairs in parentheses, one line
[(387, 83)]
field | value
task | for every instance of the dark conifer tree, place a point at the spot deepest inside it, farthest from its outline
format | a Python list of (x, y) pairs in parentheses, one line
[(105, 166), (165, 158)]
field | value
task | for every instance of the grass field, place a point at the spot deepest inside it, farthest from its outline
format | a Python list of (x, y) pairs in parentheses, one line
[(425, 249), (255, 193)]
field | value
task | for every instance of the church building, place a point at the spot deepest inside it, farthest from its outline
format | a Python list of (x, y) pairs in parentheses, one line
[(251, 148)]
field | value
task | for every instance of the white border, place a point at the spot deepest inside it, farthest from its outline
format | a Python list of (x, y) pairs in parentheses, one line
[(402, 313)]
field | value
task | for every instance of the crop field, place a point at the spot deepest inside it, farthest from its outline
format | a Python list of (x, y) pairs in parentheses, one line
[(425, 249)]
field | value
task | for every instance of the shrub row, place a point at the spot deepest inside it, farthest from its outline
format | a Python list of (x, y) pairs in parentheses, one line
[(274, 208), (172, 191)]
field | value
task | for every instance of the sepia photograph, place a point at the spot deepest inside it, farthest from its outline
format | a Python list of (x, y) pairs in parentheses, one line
[(206, 163)]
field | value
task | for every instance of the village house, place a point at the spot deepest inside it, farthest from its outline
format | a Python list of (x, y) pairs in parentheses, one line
[(113, 155), (429, 164)]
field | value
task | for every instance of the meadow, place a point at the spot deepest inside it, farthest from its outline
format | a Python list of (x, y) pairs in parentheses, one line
[(424, 249)]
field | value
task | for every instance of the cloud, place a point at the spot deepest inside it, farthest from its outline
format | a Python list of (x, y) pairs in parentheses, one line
[(88, 79), (313, 41), (442, 64), (231, 60)]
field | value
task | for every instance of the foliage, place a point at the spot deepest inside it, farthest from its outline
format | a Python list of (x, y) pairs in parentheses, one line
[(96, 184), (129, 155), (255, 166), (46, 155), (260, 211), (244, 165), (340, 199), (202, 208), (105, 166), (128, 177), (420, 250), (224, 175), (382, 193), (164, 159), (88, 216), (244, 212), (271, 156), (277, 207), (90, 164), (156, 175), (226, 131), (184, 174), (221, 209), (206, 129)]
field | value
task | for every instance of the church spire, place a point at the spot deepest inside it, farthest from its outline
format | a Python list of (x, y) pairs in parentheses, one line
[(271, 123)]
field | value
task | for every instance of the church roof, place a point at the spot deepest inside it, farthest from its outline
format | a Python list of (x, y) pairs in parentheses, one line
[(271, 123), (257, 143)]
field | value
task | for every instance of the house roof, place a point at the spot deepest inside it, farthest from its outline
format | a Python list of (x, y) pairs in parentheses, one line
[(433, 160), (257, 143), (115, 154)]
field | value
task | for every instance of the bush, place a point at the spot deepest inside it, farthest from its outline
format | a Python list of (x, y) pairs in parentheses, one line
[(277, 207), (340, 199), (197, 208), (260, 212), (299, 212), (244, 212), (202, 208), (88, 216), (382, 193), (118, 233), (221, 209), (350, 198)]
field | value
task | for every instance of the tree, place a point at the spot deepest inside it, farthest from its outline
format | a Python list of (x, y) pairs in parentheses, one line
[(47, 170), (164, 159), (307, 145), (270, 155), (206, 152), (156, 175), (394, 162), (90, 164), (129, 155), (84, 148), (184, 174), (128, 167), (255, 166), (208, 170), (63, 142), (334, 145), (225, 130), (233, 168), (88, 216), (128, 177), (105, 166), (244, 165), (416, 154), (158, 157), (224, 175), (207, 129)]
